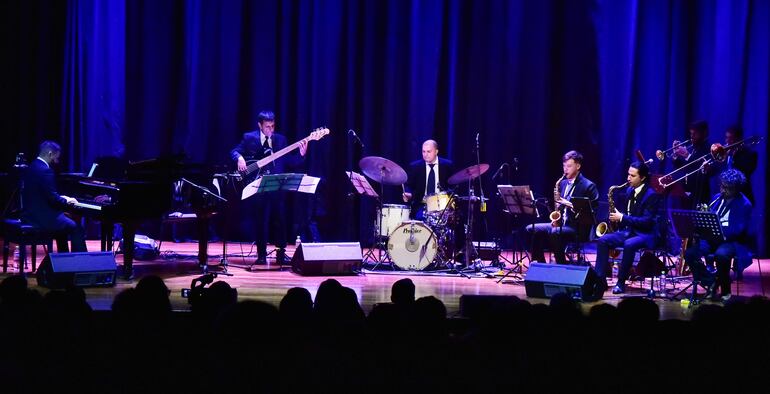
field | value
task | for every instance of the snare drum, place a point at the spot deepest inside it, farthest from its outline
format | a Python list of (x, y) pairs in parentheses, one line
[(389, 217), (412, 246), (437, 202)]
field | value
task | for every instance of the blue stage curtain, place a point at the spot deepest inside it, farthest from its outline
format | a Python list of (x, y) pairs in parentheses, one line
[(533, 78)]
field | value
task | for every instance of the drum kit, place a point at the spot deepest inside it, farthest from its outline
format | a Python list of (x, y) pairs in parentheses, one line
[(415, 245)]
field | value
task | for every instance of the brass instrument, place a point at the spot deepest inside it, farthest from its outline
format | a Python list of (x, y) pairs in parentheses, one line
[(609, 226), (556, 215), (662, 154), (718, 153)]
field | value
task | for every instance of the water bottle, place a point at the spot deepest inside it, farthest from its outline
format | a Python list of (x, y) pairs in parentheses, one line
[(298, 241)]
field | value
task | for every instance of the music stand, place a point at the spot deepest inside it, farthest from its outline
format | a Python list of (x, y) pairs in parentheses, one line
[(700, 225), (289, 182), (518, 200), (203, 254), (364, 188)]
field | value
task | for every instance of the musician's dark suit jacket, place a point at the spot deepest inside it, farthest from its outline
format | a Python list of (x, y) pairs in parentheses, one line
[(583, 188), (44, 207), (697, 184), (42, 203), (418, 179), (250, 148), (643, 217), (737, 229), (745, 160)]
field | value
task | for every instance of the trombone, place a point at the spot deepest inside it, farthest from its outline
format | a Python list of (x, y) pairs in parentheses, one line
[(718, 153), (662, 154)]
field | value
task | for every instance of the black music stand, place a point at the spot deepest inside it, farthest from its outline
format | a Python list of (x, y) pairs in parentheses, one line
[(364, 188), (289, 182), (204, 258), (518, 200), (699, 225)]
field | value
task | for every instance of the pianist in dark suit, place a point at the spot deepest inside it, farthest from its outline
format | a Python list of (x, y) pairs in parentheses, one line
[(43, 207), (270, 207)]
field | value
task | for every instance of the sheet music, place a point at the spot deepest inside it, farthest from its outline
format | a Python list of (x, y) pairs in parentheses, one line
[(309, 184), (361, 184)]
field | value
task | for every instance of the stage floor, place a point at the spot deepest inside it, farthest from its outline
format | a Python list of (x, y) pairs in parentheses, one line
[(177, 265)]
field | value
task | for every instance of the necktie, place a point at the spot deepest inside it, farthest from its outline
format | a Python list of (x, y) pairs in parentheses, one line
[(633, 203), (431, 186), (266, 147)]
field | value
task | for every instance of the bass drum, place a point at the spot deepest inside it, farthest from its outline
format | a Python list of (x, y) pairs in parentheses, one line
[(412, 246)]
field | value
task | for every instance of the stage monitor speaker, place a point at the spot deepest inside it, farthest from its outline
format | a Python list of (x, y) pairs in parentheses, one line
[(327, 258), (545, 280), (59, 270)]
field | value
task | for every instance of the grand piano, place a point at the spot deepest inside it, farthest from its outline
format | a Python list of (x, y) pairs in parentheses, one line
[(130, 193)]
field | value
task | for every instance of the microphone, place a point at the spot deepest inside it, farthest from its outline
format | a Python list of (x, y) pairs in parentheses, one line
[(358, 140), (516, 164), (498, 170)]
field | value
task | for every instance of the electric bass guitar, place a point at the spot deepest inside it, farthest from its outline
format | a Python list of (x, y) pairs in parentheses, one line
[(254, 168)]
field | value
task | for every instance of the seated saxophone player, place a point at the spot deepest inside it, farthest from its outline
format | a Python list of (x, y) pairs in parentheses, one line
[(572, 184), (734, 211), (636, 227)]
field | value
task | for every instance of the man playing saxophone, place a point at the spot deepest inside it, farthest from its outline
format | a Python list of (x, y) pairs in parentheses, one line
[(636, 227), (563, 229)]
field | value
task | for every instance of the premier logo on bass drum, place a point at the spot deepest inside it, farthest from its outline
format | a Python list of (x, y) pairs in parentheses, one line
[(412, 231)]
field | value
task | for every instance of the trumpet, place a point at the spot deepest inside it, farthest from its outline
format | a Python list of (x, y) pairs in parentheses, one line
[(608, 226), (555, 215), (662, 154), (717, 153)]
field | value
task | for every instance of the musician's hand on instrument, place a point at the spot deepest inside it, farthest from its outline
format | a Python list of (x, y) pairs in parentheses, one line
[(241, 164), (680, 150), (302, 147), (70, 200), (616, 216), (565, 202), (406, 196)]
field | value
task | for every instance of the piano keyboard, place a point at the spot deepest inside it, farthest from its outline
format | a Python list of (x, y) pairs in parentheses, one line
[(88, 206)]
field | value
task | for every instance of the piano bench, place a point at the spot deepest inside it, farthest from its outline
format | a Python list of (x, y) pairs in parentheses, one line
[(23, 235)]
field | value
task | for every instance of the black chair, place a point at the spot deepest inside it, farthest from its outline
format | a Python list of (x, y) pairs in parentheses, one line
[(13, 231)]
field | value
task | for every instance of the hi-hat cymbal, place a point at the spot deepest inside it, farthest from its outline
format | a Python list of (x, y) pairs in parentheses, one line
[(383, 170), (467, 174)]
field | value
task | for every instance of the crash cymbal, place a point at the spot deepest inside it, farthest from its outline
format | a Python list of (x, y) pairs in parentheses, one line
[(383, 170), (467, 174)]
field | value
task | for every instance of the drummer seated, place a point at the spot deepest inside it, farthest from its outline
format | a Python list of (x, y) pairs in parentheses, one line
[(427, 177)]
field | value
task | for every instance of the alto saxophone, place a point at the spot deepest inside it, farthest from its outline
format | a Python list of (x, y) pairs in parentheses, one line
[(556, 216), (609, 226)]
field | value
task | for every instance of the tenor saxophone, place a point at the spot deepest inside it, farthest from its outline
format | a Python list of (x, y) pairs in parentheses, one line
[(608, 226)]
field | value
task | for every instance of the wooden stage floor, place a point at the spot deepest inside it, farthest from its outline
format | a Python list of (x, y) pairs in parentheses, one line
[(178, 266)]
